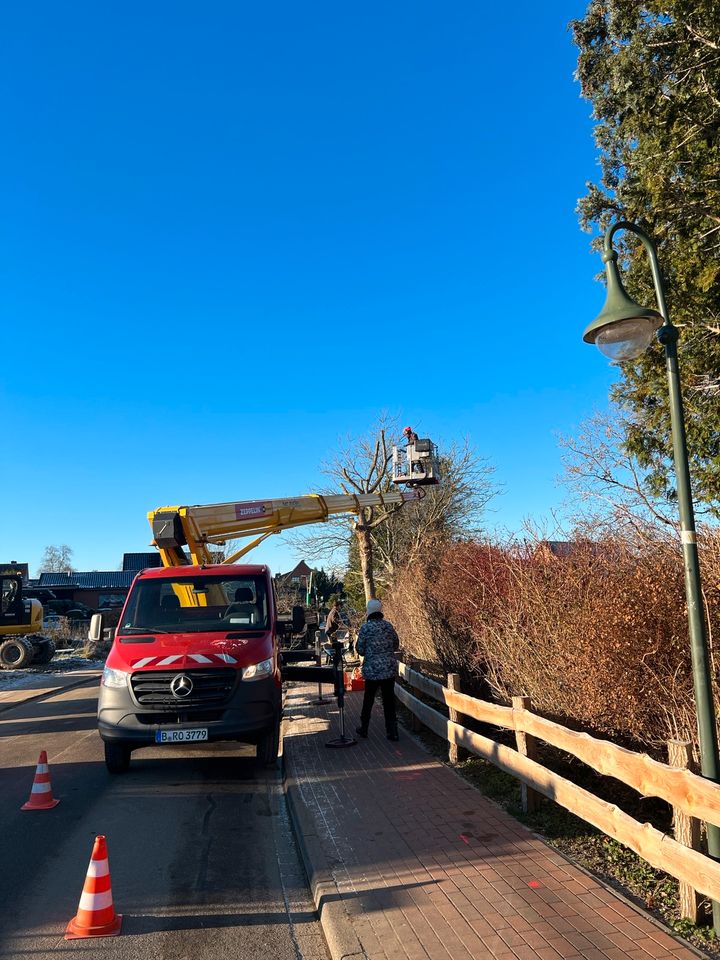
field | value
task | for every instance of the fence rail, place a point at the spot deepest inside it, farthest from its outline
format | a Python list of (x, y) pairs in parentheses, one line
[(690, 795)]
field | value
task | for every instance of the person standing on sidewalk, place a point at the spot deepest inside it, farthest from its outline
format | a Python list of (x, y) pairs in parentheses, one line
[(332, 623), (377, 643)]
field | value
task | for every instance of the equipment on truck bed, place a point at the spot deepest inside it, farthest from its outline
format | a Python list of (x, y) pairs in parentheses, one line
[(196, 655), (200, 527), (20, 619)]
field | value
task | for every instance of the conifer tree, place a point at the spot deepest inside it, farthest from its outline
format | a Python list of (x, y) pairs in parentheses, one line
[(652, 74)]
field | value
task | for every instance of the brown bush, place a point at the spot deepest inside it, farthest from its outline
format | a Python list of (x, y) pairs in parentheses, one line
[(597, 636)]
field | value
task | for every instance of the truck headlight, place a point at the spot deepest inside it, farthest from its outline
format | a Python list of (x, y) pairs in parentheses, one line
[(256, 671), (116, 679)]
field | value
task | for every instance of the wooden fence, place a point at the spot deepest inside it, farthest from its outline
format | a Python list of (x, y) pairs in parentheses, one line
[(692, 797)]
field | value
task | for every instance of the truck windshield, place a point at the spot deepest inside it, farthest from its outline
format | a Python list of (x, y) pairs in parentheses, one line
[(195, 605)]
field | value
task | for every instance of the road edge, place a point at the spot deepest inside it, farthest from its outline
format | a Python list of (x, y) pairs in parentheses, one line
[(337, 925)]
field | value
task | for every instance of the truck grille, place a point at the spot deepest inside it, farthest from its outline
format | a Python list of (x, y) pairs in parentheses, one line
[(210, 687)]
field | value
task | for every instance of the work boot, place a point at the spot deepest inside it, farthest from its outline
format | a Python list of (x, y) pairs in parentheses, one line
[(392, 731), (361, 732)]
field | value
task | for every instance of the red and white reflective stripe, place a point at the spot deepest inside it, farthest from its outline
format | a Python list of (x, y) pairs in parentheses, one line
[(96, 904), (41, 783), (169, 661), (96, 896), (41, 786), (98, 868), (95, 901)]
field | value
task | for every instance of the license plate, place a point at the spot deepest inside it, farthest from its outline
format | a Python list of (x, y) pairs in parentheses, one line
[(181, 736)]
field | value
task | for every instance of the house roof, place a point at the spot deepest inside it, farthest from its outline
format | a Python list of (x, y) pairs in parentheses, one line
[(301, 570), (105, 579), (141, 561), (560, 548), (56, 580), (90, 580), (564, 549)]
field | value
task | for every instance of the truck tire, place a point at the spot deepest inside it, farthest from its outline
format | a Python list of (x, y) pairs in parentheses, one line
[(44, 650), (16, 653), (117, 757), (268, 746)]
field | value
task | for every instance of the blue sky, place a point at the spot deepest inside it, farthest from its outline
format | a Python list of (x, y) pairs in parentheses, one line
[(234, 233)]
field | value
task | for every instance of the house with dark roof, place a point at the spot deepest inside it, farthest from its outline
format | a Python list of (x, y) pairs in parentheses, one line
[(94, 589), (548, 550), (298, 575), (295, 582)]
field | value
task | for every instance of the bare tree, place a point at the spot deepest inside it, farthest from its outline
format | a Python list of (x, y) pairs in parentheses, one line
[(385, 537), (56, 559), (604, 474), (452, 510)]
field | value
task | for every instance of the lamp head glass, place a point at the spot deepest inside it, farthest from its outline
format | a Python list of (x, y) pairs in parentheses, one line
[(626, 339), (623, 329)]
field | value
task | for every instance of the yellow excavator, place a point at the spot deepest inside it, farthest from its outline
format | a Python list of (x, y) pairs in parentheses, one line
[(21, 619)]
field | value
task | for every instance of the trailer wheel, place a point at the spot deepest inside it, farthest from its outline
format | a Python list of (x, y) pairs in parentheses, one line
[(117, 757), (44, 650), (269, 746), (16, 653)]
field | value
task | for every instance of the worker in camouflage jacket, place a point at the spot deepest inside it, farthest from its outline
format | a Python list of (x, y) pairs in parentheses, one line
[(377, 643)]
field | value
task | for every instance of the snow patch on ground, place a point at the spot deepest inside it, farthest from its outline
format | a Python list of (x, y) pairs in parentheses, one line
[(65, 663)]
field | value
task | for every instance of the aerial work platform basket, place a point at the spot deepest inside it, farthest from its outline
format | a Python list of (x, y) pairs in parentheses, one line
[(417, 464)]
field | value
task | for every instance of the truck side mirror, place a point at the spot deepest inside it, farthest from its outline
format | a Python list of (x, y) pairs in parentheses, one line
[(95, 633), (298, 619)]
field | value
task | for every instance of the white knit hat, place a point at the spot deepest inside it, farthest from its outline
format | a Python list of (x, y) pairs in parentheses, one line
[(373, 606)]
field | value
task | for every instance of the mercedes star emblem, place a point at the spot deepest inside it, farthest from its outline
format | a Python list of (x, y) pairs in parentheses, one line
[(181, 686)]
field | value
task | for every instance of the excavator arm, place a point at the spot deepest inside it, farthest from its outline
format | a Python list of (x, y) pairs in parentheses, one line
[(199, 527)]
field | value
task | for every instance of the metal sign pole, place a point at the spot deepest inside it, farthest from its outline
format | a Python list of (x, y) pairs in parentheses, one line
[(318, 659), (342, 740)]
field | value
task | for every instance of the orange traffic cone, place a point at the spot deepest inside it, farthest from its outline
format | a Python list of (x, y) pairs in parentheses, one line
[(96, 915), (41, 796)]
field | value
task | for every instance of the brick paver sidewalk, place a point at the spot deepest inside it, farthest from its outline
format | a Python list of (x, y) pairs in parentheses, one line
[(409, 861)]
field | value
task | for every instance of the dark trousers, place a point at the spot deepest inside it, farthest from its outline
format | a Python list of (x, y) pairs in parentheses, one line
[(387, 692)]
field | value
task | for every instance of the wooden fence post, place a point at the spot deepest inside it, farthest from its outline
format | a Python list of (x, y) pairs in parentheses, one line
[(686, 829), (527, 746), (415, 721), (453, 682)]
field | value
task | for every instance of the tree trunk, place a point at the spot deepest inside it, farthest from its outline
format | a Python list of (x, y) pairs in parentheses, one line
[(364, 539)]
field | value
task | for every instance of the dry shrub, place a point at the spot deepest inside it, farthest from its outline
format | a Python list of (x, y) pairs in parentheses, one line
[(407, 607), (596, 637), (438, 606)]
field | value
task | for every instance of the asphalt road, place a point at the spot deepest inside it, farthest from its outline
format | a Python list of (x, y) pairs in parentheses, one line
[(203, 862)]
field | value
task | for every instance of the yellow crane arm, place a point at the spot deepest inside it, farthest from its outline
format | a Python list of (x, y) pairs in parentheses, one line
[(198, 527)]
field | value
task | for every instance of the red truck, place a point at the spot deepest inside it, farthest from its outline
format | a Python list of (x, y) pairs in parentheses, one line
[(194, 659), (195, 656)]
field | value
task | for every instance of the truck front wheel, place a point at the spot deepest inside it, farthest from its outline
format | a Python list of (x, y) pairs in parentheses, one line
[(117, 757), (269, 746)]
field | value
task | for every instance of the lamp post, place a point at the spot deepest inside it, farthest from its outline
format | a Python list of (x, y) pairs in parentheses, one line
[(623, 331)]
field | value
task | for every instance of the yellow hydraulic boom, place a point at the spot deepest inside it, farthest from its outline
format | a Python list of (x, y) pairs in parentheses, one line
[(199, 527)]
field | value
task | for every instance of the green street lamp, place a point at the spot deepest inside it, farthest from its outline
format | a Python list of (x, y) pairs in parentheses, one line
[(623, 331)]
